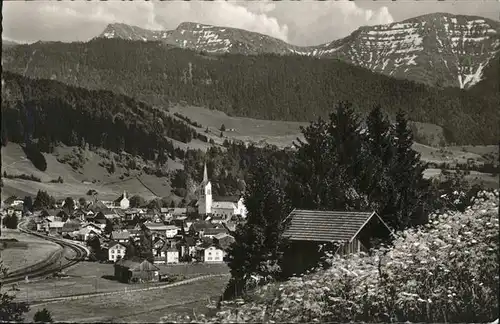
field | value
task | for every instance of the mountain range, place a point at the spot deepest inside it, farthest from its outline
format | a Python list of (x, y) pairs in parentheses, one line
[(438, 49)]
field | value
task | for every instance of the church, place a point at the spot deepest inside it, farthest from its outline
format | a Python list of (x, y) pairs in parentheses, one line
[(219, 209)]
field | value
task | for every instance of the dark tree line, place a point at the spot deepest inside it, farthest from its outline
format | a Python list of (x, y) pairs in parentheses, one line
[(76, 116), (265, 86), (341, 165)]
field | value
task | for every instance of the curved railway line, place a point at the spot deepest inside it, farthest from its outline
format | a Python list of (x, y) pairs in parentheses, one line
[(56, 262)]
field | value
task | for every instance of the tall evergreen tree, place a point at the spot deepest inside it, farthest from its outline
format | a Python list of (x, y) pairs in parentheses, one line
[(407, 172), (258, 243)]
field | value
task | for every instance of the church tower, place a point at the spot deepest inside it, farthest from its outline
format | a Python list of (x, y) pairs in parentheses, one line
[(205, 194)]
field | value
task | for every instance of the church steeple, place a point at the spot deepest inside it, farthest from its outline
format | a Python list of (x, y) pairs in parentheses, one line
[(205, 173)]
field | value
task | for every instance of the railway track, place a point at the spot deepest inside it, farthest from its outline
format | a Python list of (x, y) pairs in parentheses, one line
[(56, 262)]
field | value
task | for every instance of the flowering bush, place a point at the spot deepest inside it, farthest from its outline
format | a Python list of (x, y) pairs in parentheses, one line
[(445, 271)]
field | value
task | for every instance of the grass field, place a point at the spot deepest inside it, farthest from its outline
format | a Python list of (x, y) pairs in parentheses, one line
[(280, 133), (144, 306), (76, 183), (33, 251), (94, 277)]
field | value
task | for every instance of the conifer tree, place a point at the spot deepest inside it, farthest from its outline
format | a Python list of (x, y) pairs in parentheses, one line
[(258, 243)]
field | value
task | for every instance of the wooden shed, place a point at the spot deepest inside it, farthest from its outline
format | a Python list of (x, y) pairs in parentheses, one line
[(311, 232), (136, 270)]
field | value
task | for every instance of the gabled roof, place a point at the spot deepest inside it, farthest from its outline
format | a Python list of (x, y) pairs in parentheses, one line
[(137, 265), (326, 226), (116, 235), (222, 235), (112, 244), (202, 225), (56, 224), (214, 231), (223, 205)]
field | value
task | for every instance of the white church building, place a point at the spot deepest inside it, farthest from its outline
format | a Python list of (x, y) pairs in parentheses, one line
[(219, 209), (124, 203)]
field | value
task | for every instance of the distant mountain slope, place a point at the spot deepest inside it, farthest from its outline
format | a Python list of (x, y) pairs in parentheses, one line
[(53, 112), (437, 49), (267, 86)]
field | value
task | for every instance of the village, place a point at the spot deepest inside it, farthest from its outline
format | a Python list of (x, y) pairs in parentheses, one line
[(202, 232)]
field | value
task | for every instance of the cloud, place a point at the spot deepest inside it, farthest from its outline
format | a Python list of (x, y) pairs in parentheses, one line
[(321, 22), (80, 21), (298, 22)]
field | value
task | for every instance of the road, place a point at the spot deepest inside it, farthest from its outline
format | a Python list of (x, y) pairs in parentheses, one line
[(55, 263)]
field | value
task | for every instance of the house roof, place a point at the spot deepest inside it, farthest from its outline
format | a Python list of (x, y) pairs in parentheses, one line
[(56, 224), (214, 231), (178, 211), (116, 235), (137, 265), (202, 225), (190, 241), (233, 199), (325, 226), (112, 244), (223, 205), (221, 236), (71, 227)]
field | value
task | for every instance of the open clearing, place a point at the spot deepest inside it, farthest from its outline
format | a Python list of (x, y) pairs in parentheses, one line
[(94, 277), (33, 251), (76, 183), (144, 306)]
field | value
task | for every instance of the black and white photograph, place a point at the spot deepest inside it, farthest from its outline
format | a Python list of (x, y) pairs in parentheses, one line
[(250, 161)]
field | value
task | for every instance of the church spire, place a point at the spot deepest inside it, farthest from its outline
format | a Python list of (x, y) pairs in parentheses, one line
[(205, 173)]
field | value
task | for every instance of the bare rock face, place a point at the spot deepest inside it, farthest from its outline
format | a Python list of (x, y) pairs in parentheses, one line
[(439, 49)]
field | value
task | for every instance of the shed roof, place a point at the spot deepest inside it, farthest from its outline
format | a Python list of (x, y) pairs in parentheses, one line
[(137, 265), (325, 226)]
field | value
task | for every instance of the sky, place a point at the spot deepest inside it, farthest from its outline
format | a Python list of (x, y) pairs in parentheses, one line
[(297, 22)]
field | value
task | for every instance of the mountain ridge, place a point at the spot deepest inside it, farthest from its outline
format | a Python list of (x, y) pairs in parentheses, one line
[(272, 87), (437, 49)]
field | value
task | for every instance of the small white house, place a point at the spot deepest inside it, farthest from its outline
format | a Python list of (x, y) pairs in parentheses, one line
[(172, 255), (116, 251), (171, 231), (124, 203), (213, 254)]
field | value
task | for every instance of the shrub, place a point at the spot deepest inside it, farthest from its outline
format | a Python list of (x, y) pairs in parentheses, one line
[(445, 271), (23, 176)]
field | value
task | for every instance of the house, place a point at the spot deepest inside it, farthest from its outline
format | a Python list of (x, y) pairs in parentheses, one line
[(223, 240), (116, 251), (172, 255), (55, 214), (312, 231), (158, 244), (70, 228), (199, 227), (136, 270), (187, 246), (42, 225), (56, 227), (212, 232), (120, 236), (17, 202), (168, 254), (168, 231), (178, 212), (210, 254), (17, 210)]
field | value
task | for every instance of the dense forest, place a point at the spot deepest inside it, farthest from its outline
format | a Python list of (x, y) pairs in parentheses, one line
[(53, 112), (265, 86)]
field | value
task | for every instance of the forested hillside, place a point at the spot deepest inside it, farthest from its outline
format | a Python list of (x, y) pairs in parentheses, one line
[(53, 112), (266, 86)]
